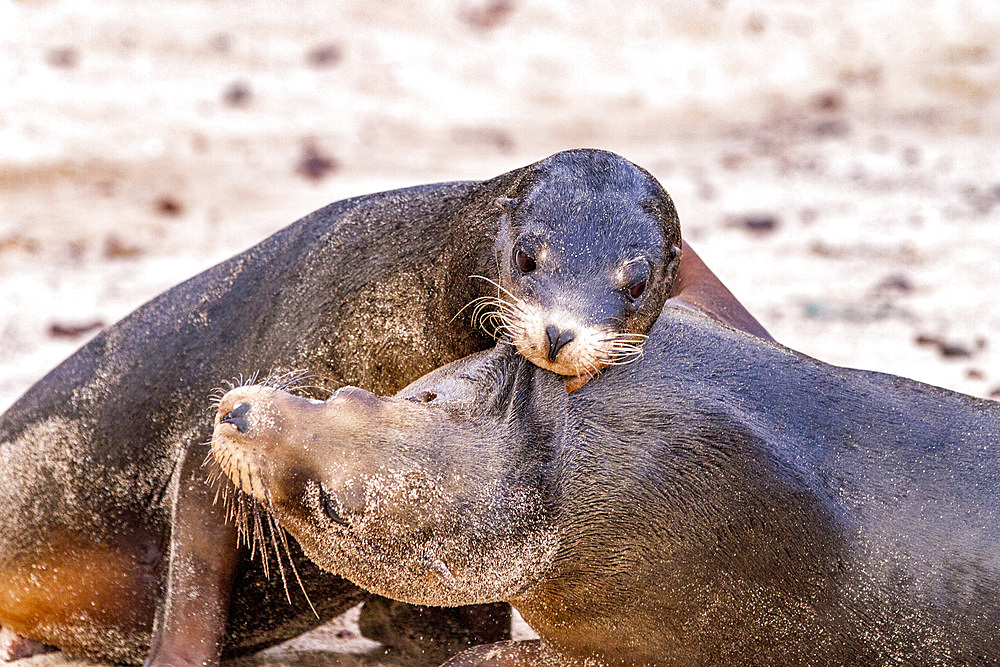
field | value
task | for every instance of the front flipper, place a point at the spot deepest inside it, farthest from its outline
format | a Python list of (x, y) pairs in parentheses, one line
[(190, 619)]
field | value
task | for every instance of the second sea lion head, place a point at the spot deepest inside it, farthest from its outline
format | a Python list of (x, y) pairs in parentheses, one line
[(434, 496)]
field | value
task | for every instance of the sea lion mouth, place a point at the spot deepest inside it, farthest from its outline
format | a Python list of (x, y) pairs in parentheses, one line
[(555, 340), (570, 347)]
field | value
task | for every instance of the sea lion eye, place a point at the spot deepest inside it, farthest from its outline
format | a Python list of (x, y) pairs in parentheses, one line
[(636, 289), (424, 397), (332, 509), (525, 262)]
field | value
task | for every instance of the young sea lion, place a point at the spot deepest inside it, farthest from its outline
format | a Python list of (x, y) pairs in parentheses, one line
[(723, 501), (103, 457)]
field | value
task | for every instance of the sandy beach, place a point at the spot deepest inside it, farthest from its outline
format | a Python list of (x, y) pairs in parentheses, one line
[(837, 164)]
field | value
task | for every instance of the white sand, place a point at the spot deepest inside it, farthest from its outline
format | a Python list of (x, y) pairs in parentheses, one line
[(869, 131)]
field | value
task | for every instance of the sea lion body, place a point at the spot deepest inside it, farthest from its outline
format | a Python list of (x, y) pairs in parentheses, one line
[(724, 500), (103, 456)]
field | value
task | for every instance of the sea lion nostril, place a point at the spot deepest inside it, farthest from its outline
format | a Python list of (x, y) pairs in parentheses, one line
[(557, 340), (237, 417)]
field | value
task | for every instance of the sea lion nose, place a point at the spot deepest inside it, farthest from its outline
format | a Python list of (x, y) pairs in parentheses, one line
[(237, 417), (557, 340)]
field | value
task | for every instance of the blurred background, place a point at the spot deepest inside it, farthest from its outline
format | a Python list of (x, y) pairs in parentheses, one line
[(836, 162)]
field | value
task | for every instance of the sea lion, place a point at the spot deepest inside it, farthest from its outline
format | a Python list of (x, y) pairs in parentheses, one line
[(722, 501), (103, 457)]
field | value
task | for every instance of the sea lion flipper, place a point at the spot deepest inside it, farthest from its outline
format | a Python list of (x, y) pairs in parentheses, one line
[(191, 617), (698, 287)]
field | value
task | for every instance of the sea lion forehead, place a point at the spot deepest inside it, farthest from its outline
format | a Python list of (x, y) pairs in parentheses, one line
[(570, 191), (594, 197)]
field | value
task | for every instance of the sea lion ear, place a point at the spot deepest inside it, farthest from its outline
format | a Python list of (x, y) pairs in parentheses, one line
[(673, 261), (505, 204)]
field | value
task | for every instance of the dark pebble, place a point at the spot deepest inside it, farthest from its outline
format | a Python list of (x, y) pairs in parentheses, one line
[(829, 101), (955, 350), (832, 127), (222, 42), (115, 248), (18, 241), (755, 24), (63, 58), (326, 55), (238, 94), (169, 206), (758, 224), (896, 282), (491, 14), (313, 164), (946, 348)]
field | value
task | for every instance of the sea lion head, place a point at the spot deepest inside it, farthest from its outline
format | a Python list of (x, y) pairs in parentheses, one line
[(434, 496), (587, 251)]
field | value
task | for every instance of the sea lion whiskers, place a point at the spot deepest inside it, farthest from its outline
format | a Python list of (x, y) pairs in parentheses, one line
[(244, 491), (278, 531), (479, 299), (239, 505), (623, 348), (504, 319), (260, 535), (496, 314)]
